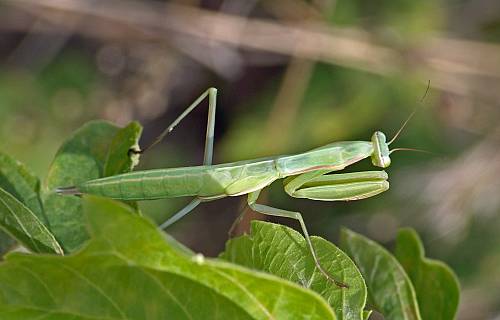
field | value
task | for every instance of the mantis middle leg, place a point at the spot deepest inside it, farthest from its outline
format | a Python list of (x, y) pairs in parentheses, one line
[(252, 199)]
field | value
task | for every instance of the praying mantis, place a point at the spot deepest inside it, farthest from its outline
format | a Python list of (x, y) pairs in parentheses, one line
[(306, 175)]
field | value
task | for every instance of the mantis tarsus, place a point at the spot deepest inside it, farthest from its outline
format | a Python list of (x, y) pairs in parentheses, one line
[(307, 176)]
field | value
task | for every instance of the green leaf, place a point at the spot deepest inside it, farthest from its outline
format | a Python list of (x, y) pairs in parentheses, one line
[(435, 284), (389, 288), (24, 226), (282, 251), (124, 140), (92, 150), (17, 180), (128, 271)]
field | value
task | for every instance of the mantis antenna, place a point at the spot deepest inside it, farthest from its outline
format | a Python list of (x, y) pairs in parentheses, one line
[(410, 149), (411, 115)]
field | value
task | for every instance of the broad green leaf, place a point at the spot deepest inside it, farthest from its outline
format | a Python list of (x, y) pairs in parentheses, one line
[(22, 224), (128, 271), (283, 251), (84, 156), (124, 140), (17, 180), (389, 288), (435, 284)]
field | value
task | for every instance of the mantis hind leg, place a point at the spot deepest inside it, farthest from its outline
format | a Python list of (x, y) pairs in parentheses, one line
[(252, 199), (209, 139), (209, 145)]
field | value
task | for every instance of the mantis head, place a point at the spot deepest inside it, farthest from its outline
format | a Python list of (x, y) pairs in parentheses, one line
[(380, 155)]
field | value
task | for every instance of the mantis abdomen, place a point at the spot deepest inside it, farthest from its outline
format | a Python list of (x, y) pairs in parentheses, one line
[(206, 182)]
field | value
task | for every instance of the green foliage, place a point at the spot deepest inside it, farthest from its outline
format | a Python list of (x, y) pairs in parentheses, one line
[(124, 140), (90, 153), (389, 288), (20, 222), (283, 252), (435, 284), (16, 179), (97, 149), (130, 269), (407, 286)]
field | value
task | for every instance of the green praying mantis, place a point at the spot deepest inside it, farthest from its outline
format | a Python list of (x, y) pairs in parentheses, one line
[(306, 175)]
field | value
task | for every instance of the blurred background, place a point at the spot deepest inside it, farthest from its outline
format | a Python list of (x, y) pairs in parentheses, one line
[(292, 75)]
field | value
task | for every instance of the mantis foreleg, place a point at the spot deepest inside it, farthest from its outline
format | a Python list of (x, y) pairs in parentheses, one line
[(252, 199), (317, 185)]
